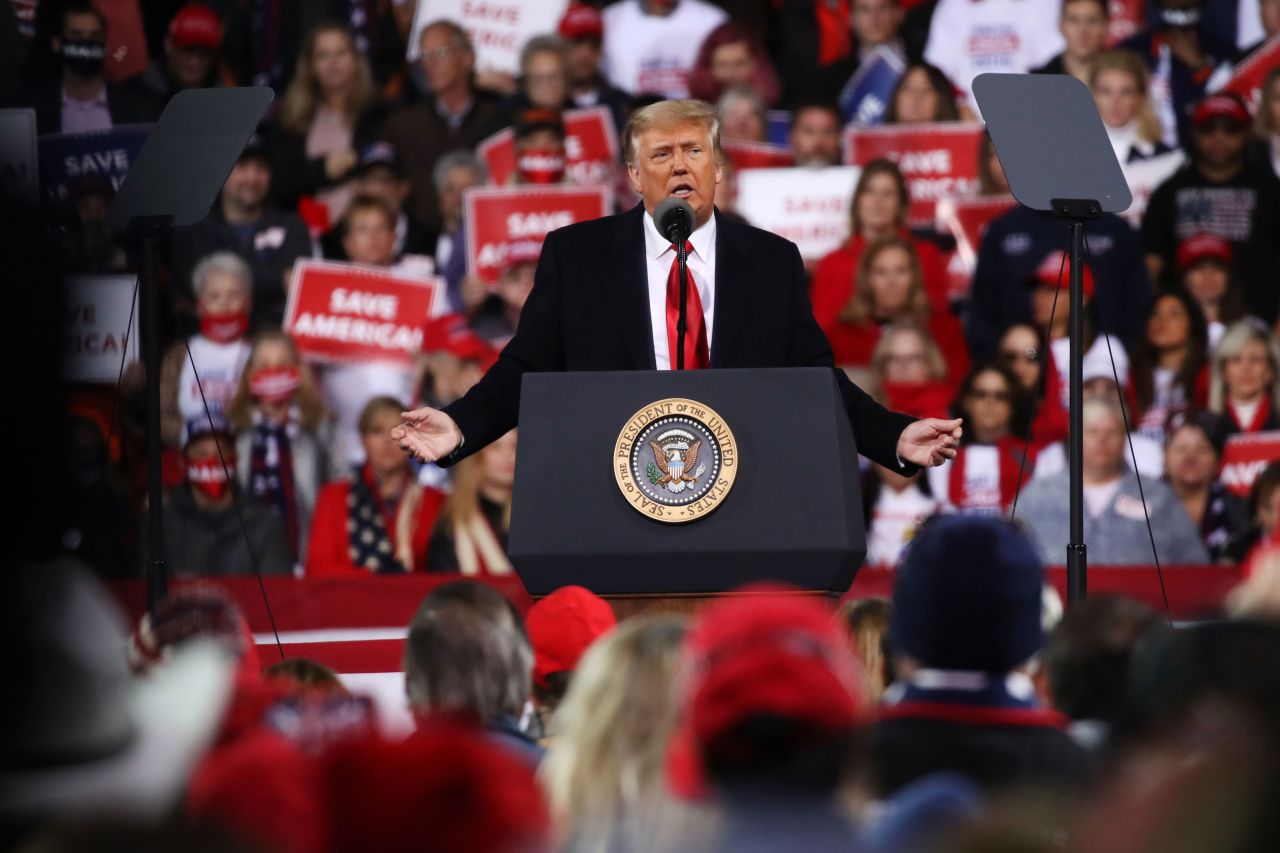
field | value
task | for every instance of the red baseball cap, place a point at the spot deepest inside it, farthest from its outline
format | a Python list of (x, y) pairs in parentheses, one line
[(1221, 105), (1047, 272), (562, 626), (196, 26), (1203, 247), (767, 650), (582, 21)]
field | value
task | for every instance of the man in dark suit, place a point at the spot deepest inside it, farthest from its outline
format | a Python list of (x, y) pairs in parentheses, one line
[(604, 299)]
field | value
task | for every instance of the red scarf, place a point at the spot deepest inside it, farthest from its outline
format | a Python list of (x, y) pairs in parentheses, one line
[(1260, 415), (1007, 450)]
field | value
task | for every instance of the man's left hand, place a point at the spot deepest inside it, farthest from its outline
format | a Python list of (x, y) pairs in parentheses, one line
[(929, 441)]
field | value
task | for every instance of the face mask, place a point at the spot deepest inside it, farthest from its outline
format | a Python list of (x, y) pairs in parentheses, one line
[(224, 328), (209, 476), (1180, 19), (541, 166), (83, 58), (274, 384)]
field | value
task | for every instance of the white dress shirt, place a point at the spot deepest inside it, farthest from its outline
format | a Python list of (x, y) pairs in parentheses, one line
[(658, 255)]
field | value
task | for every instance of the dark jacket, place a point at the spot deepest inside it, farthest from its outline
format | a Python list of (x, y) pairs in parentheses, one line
[(125, 106), (201, 544), (420, 137), (589, 310), (294, 174)]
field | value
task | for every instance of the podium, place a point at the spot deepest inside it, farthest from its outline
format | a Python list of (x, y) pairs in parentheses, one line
[(781, 437)]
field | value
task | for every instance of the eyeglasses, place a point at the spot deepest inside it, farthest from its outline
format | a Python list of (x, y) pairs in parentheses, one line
[(440, 53), (1031, 356)]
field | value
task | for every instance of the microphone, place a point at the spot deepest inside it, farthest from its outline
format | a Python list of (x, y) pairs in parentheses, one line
[(674, 218)]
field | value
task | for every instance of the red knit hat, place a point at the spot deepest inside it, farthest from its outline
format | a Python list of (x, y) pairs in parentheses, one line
[(768, 650), (446, 788), (1203, 247), (1047, 272), (562, 626)]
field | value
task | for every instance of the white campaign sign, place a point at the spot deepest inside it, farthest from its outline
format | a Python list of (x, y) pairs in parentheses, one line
[(810, 207), (96, 328), (498, 28)]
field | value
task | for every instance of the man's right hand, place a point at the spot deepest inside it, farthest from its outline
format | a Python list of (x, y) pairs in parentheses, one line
[(427, 434)]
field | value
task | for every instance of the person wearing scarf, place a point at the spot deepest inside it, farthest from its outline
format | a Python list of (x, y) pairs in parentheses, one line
[(966, 624), (471, 534), (910, 371), (379, 521), (984, 476), (223, 286), (286, 442), (1244, 382)]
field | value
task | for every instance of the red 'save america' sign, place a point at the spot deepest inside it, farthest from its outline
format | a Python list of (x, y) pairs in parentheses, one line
[(1245, 456), (590, 148), (938, 160), (347, 312), (498, 217)]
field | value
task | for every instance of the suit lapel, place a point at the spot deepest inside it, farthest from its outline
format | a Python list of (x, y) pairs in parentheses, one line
[(732, 273), (630, 292)]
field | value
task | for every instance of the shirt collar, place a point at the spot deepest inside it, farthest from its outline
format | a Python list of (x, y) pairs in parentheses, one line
[(98, 100), (703, 239)]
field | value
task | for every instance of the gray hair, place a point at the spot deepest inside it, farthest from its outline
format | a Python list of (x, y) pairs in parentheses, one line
[(1233, 342), (665, 113), (741, 93), (467, 651), (459, 158), (228, 263), (543, 44)]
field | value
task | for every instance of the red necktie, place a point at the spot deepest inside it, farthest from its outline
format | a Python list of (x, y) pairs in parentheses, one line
[(695, 334)]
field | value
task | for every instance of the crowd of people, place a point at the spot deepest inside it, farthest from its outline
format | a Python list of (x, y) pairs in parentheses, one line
[(365, 158), (968, 712)]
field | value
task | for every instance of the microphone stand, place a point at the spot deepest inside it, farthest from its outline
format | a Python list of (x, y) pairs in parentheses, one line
[(682, 257)]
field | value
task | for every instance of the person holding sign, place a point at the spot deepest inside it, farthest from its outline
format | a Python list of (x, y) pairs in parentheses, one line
[(748, 304)]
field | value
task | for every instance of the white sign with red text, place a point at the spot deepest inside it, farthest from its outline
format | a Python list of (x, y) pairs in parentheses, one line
[(347, 312), (96, 327), (938, 160), (498, 217), (498, 28), (810, 207)]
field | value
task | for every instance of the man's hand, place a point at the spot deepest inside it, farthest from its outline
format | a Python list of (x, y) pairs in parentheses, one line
[(427, 434), (929, 441)]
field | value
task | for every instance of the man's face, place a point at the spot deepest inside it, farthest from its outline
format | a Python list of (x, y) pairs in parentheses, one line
[(677, 160), (815, 138), (247, 185), (1103, 440), (875, 21), (80, 27), (370, 238), (189, 67), (544, 80), (1084, 28), (584, 60), (456, 180), (445, 62), (1190, 460), (1220, 142)]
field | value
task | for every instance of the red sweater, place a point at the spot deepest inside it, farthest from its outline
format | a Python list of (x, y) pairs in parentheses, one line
[(328, 554), (833, 279), (852, 345)]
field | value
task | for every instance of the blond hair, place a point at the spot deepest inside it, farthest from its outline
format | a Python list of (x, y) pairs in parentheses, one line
[(1233, 342), (311, 409), (608, 762), (1130, 63), (463, 504), (303, 95), (934, 363), (665, 114), (866, 622), (861, 304)]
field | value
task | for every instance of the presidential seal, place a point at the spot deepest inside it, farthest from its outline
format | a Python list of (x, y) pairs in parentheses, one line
[(675, 460)]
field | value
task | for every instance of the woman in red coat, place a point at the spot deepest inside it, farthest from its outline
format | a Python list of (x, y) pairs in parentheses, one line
[(379, 521), (892, 291), (878, 210)]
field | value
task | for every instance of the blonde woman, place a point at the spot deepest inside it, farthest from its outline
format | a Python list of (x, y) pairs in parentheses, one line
[(471, 533), (286, 442), (330, 112), (605, 772), (1244, 381), (1121, 86)]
